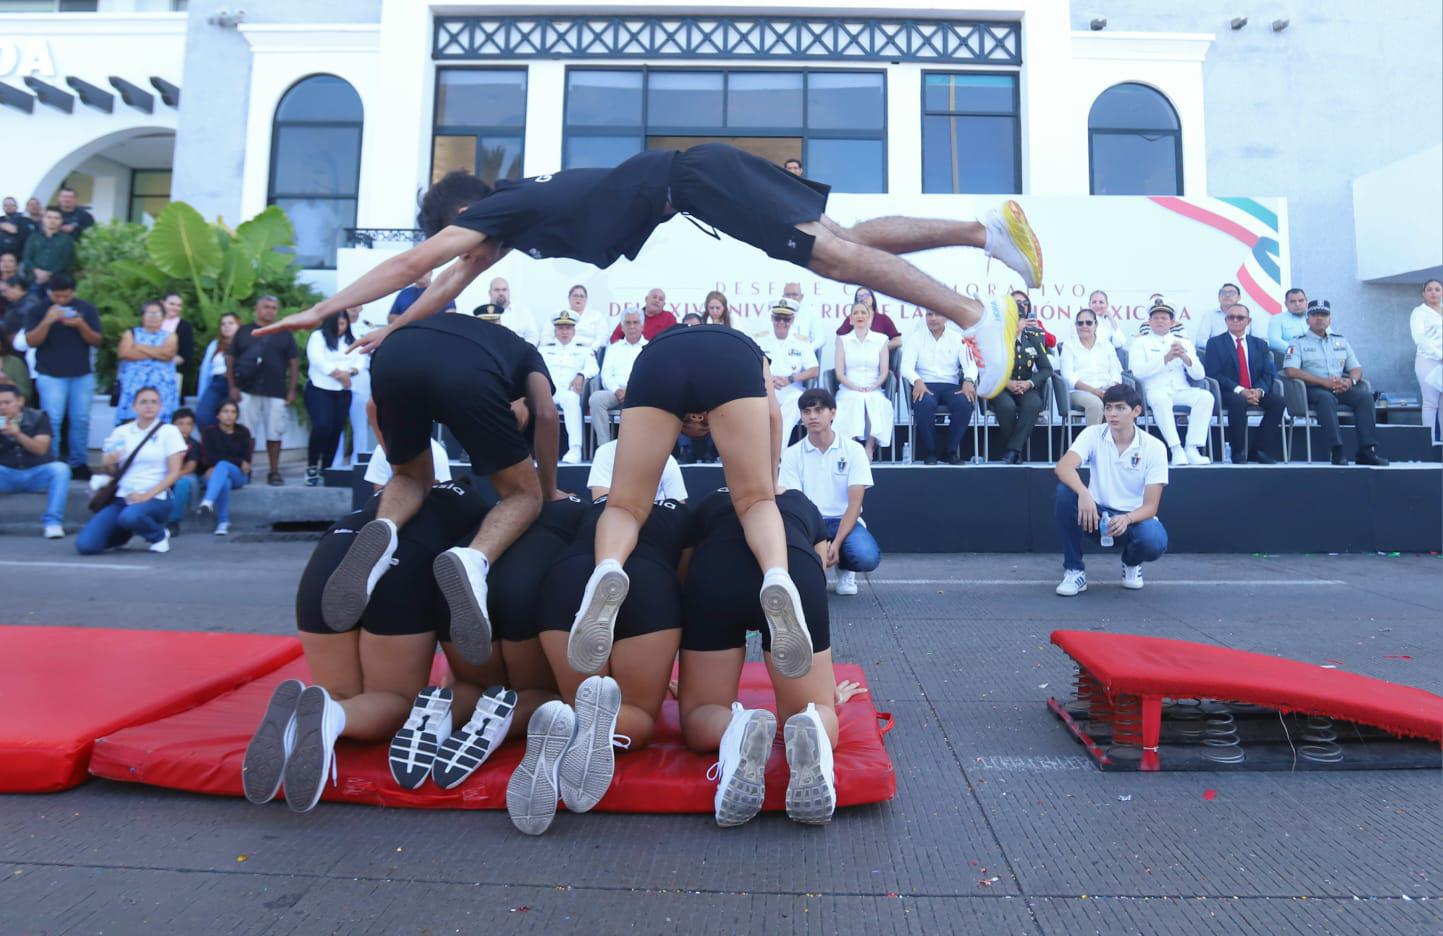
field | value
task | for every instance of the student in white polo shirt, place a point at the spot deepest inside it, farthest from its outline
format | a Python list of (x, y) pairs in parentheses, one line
[(834, 473), (1128, 470)]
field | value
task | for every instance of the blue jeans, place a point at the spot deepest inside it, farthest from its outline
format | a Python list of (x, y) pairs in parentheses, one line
[(942, 395), (114, 526), (66, 400), (53, 478), (226, 477), (859, 552), (216, 393), (1142, 542), (181, 496)]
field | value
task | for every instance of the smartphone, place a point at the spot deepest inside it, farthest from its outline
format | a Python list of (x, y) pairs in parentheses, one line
[(69, 312), (2, 422)]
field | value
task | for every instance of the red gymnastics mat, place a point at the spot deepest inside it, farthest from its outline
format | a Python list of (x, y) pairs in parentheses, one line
[(1134, 689), (201, 751), (63, 687)]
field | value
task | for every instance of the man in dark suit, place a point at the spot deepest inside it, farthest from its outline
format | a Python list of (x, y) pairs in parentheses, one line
[(1244, 368)]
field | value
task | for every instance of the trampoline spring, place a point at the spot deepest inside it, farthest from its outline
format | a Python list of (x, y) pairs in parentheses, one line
[(1083, 686), (1187, 714), (1127, 720), (1321, 741), (1221, 743)]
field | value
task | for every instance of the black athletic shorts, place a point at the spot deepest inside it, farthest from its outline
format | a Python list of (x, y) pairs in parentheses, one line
[(695, 370), (748, 198), (458, 371), (406, 599), (721, 601), (653, 602), (515, 584)]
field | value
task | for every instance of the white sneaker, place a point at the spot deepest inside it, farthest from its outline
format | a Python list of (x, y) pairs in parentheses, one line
[(1011, 240), (589, 646), (461, 575), (1196, 457), (415, 746), (222, 529), (1073, 582), (54, 531), (466, 750), (319, 722), (1131, 576), (572, 457), (846, 583), (741, 767), (1179, 457), (163, 546), (590, 762), (782, 607), (271, 745), (349, 588), (532, 790), (812, 788)]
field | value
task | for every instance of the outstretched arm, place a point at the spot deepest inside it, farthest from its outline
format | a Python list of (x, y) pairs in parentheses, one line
[(442, 292)]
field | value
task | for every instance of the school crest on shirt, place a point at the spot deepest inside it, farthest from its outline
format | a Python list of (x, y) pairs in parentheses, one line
[(1136, 459), (841, 468)]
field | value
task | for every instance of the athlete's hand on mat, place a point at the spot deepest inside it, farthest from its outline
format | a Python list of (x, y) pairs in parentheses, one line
[(846, 689), (919, 389), (1086, 512), (370, 341), (301, 321)]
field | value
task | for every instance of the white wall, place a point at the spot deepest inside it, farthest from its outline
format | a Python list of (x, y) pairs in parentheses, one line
[(1395, 245)]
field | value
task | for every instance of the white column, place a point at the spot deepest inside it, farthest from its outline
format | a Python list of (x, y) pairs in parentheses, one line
[(904, 129), (396, 153), (545, 116)]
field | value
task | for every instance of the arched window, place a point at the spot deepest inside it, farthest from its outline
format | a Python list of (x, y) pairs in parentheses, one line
[(316, 165), (1134, 143)]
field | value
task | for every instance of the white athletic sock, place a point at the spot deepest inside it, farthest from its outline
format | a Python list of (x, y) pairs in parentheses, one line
[(485, 563), (777, 571), (987, 244), (337, 719)]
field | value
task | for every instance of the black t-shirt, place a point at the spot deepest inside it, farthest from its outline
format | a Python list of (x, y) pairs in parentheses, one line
[(33, 423), (591, 215), (716, 519), (15, 243), (79, 217), (63, 353), (562, 517), (276, 351), (17, 313), (217, 446), (667, 531), (515, 357)]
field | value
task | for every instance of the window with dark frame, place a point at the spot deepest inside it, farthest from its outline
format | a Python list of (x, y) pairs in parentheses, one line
[(971, 133), (149, 194), (834, 121), (316, 165), (479, 124), (1134, 143)]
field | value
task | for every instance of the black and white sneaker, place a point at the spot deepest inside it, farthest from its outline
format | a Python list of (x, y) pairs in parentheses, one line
[(532, 790), (592, 631), (461, 575), (589, 763), (271, 745), (812, 787), (741, 767), (415, 746), (466, 750), (319, 722), (349, 588)]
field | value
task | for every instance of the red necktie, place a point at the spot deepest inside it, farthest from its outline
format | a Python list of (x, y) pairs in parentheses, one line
[(1244, 379)]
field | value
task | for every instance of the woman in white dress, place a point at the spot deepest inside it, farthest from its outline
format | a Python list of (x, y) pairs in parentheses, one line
[(1426, 325), (863, 410), (591, 327)]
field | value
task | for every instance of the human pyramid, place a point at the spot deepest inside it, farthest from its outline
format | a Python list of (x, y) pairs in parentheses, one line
[(559, 615)]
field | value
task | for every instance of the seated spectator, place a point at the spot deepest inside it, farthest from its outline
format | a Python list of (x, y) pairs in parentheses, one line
[(718, 310), (26, 463), (806, 323), (1327, 366), (63, 334), (1110, 326), (147, 355), (14, 228), (1090, 366), (880, 321), (211, 387), (862, 363), (329, 372), (378, 469), (227, 449), (48, 252), (518, 320), (9, 266), (792, 362), (1127, 472), (570, 365), (615, 372), (74, 220), (1290, 323), (1024, 395), (938, 365), (829, 468), (794, 166), (1165, 364), (590, 323), (1243, 367), (598, 481), (184, 491), (408, 295), (655, 319), (147, 455), (691, 318), (1028, 315), (1211, 324)]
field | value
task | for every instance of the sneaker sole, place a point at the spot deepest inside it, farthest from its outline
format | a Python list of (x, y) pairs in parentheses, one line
[(589, 646), (744, 794), (1024, 238), (1132, 586), (345, 597), (791, 644), (810, 798), (1072, 594), (470, 628), (305, 775), (531, 795), (413, 750), (589, 765), (265, 761), (464, 752)]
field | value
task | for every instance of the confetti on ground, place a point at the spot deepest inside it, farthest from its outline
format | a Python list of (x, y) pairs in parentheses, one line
[(1210, 795)]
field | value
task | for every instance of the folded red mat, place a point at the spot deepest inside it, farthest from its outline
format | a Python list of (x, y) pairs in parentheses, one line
[(63, 687), (201, 750)]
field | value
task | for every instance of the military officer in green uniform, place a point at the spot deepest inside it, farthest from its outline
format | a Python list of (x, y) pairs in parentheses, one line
[(1330, 371), (1024, 394)]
